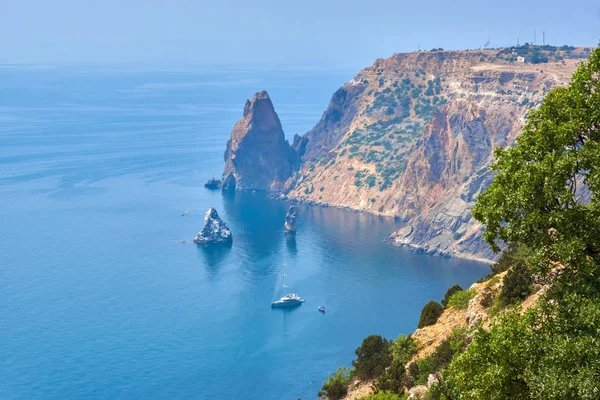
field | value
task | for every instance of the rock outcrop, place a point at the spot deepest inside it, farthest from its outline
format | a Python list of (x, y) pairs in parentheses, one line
[(413, 137), (213, 184), (258, 157), (290, 220), (215, 231)]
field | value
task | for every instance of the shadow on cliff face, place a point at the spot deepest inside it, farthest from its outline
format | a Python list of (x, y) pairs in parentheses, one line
[(214, 255)]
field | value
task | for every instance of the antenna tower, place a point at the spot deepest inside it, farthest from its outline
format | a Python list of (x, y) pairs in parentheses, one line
[(543, 38)]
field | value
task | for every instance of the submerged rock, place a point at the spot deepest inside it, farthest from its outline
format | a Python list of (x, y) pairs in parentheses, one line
[(290, 220), (213, 184), (215, 230)]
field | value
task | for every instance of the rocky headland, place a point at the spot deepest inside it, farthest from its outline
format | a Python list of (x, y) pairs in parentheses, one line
[(215, 231), (411, 136)]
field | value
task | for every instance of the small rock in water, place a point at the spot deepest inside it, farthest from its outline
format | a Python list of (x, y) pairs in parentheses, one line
[(213, 184), (290, 219), (215, 230)]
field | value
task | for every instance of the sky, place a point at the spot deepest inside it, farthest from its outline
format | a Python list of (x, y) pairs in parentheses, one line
[(307, 32)]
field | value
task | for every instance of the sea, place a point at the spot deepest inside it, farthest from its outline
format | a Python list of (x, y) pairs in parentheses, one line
[(102, 293)]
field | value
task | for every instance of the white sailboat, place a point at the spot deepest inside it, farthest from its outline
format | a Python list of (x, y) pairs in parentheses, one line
[(288, 299)]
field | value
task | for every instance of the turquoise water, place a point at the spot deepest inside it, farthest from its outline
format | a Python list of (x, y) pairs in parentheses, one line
[(98, 296)]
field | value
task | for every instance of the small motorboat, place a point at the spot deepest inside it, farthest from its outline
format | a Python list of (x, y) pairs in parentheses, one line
[(322, 309)]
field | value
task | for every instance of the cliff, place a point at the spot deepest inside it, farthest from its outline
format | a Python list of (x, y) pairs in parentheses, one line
[(412, 136), (257, 155)]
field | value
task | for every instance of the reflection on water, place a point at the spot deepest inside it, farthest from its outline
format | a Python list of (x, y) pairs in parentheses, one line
[(214, 254), (290, 241)]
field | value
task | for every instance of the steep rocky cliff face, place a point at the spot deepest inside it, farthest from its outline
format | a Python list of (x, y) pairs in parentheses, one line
[(257, 155), (413, 136)]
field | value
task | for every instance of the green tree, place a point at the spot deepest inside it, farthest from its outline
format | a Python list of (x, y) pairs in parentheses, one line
[(384, 395), (449, 293), (430, 314), (461, 299), (392, 379), (514, 253), (336, 386), (546, 191), (517, 284), (372, 357), (403, 348), (549, 353)]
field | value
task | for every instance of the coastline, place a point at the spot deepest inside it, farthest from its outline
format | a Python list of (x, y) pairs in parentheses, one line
[(414, 247)]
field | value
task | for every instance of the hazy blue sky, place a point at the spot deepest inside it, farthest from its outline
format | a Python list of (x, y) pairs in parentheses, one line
[(305, 31)]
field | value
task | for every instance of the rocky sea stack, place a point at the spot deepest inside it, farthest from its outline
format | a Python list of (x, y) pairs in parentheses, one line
[(290, 220), (214, 231), (257, 156), (213, 184)]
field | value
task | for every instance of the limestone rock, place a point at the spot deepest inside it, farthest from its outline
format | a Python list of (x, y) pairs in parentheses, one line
[(413, 136), (213, 184), (290, 219), (417, 392), (258, 157), (214, 231)]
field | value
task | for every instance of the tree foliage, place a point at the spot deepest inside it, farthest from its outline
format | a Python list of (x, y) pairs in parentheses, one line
[(449, 293), (517, 284), (392, 379), (384, 395), (420, 370), (551, 352), (546, 194), (403, 348), (461, 298), (372, 357), (336, 386), (430, 313)]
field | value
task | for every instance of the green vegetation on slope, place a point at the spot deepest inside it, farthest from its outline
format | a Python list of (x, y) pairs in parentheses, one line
[(544, 203), (430, 313)]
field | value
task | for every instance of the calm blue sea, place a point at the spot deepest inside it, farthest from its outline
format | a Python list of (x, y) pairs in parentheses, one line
[(99, 298)]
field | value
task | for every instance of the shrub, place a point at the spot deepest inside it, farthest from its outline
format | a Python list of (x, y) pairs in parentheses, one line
[(392, 379), (413, 372), (461, 299), (517, 284), (336, 386), (370, 180), (456, 343), (385, 395), (372, 357), (430, 313), (421, 370), (403, 348), (532, 355), (450, 292)]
